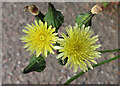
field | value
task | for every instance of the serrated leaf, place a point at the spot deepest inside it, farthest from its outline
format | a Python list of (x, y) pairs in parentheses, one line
[(84, 18), (54, 17), (37, 64)]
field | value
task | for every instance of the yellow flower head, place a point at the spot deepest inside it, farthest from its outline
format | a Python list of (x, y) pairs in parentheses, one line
[(39, 38), (79, 47)]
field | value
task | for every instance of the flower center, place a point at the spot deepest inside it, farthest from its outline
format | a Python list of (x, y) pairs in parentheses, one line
[(42, 37), (76, 48)]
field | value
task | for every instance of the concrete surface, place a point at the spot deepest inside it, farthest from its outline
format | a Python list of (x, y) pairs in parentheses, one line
[(15, 58)]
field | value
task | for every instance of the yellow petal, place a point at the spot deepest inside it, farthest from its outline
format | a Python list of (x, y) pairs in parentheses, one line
[(38, 52), (36, 23), (93, 61), (46, 25), (27, 45), (29, 26), (25, 31), (52, 30), (45, 52), (49, 28), (89, 64), (64, 36), (75, 68), (60, 55), (57, 47), (40, 23), (69, 63), (52, 46)]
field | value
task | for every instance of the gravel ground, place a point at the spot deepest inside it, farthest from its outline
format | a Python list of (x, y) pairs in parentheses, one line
[(15, 58)]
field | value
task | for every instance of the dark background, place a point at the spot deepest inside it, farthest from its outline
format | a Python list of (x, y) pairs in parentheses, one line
[(15, 58)]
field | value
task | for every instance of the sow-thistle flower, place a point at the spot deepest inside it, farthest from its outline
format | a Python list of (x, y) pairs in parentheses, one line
[(39, 38), (79, 47)]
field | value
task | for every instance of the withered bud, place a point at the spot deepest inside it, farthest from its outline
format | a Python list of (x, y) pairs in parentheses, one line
[(32, 8), (96, 9)]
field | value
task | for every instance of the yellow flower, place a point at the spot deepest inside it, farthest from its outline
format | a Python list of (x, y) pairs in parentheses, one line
[(39, 38), (79, 47)]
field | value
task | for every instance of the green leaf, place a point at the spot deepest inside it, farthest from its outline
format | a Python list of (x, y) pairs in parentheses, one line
[(54, 17), (84, 18), (37, 64)]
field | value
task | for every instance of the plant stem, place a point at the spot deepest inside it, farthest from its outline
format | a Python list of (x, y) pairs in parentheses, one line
[(79, 74), (109, 50)]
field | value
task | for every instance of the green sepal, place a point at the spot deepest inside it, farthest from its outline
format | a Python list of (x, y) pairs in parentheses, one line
[(37, 64), (54, 17), (84, 18)]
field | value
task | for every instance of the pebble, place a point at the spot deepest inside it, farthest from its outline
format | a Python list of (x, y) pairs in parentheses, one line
[(15, 6), (68, 77), (18, 82), (17, 54), (112, 21), (99, 83), (10, 46), (102, 72), (111, 55), (74, 74), (10, 59), (19, 62), (62, 70), (107, 74), (11, 74)]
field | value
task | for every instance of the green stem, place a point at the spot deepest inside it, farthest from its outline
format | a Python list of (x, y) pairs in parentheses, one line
[(79, 74), (110, 50)]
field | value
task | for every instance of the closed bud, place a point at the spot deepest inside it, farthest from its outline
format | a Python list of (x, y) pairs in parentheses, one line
[(96, 9), (32, 8)]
